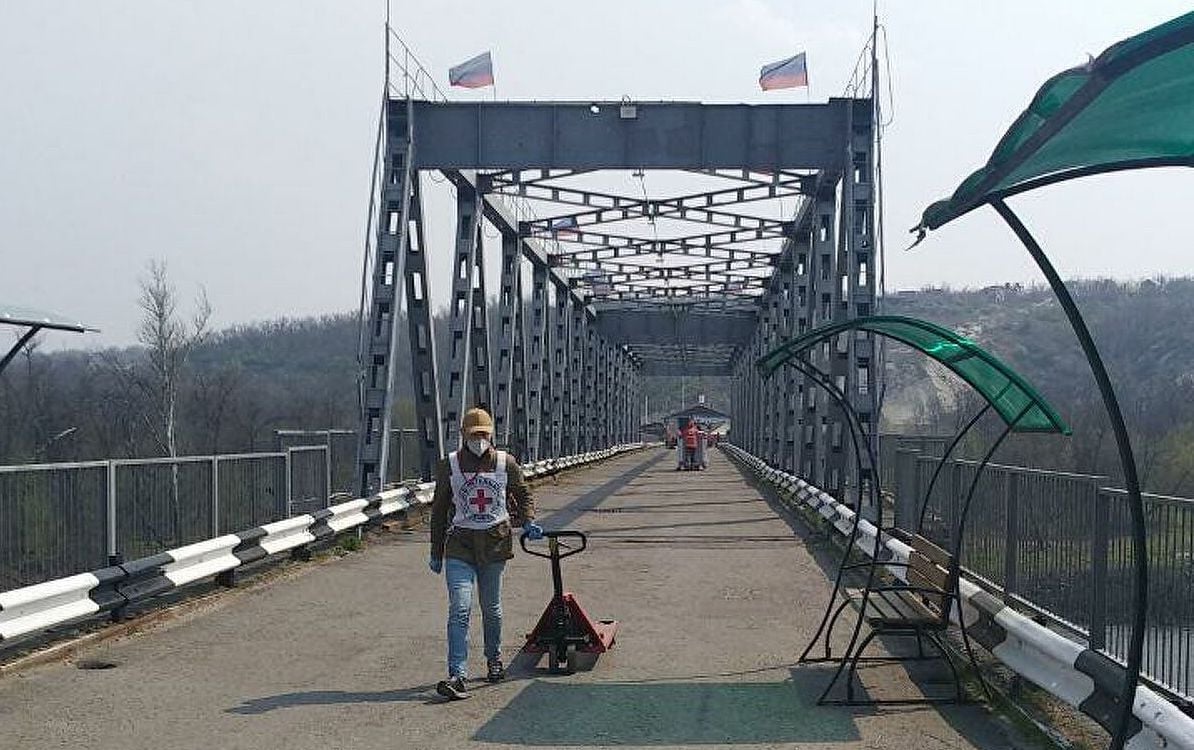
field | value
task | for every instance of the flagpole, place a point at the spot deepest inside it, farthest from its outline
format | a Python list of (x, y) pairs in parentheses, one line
[(877, 169), (387, 50), (808, 88)]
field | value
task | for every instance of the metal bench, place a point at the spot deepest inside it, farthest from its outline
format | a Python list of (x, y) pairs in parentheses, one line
[(918, 608)]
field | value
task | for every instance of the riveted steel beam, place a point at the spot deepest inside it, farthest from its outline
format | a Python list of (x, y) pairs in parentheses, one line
[(380, 340), (661, 135), (460, 313), (653, 327), (561, 338), (510, 313), (538, 380)]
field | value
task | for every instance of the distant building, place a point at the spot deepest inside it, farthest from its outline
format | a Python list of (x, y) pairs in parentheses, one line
[(711, 419)]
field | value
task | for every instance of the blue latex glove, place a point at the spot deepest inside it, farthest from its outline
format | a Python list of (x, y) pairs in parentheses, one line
[(436, 564), (533, 530)]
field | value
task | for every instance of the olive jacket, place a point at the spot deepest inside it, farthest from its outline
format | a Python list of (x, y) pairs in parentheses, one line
[(478, 546)]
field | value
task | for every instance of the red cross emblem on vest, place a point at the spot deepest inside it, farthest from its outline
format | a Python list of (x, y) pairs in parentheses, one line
[(481, 500)]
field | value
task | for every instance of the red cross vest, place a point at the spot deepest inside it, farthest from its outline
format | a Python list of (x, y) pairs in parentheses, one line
[(480, 499)]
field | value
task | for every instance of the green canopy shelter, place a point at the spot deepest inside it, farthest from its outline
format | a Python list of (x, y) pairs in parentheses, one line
[(1132, 107), (1017, 403), (1129, 108)]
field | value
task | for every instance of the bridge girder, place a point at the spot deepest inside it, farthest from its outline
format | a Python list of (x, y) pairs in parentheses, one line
[(624, 284), (647, 135)]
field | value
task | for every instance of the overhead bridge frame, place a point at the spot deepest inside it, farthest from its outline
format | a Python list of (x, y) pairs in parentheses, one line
[(622, 286)]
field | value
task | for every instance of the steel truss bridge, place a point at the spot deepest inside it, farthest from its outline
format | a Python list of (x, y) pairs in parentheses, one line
[(764, 227)]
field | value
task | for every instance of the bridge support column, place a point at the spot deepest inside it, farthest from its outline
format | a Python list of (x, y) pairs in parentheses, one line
[(481, 378), (547, 419), (460, 312), (397, 264), (577, 403), (424, 367), (509, 399), (821, 310), (862, 384), (613, 390), (797, 383), (607, 412), (537, 381), (787, 384), (756, 383), (774, 385), (561, 412), (589, 392)]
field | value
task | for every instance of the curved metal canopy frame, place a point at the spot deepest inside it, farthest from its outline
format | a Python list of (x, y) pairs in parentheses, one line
[(999, 385), (1068, 131), (952, 350), (854, 423)]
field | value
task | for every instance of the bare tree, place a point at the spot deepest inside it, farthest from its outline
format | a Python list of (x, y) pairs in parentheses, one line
[(169, 341)]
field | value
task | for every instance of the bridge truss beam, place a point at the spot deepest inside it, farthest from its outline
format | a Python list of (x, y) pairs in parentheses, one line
[(776, 238)]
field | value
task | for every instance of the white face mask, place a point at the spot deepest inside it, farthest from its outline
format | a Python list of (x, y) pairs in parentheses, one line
[(477, 446)]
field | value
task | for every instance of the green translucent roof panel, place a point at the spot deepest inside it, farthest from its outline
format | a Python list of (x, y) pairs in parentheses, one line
[(1008, 393), (1131, 107)]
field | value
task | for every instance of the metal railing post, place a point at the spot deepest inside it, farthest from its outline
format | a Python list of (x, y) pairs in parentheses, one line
[(401, 455), (1011, 568), (327, 472), (907, 496), (113, 552), (215, 495), (289, 482), (1098, 566), (954, 500)]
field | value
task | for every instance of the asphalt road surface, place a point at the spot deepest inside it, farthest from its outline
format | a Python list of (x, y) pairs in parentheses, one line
[(716, 593)]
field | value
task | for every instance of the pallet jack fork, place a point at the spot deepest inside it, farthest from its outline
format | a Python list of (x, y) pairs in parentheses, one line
[(564, 629)]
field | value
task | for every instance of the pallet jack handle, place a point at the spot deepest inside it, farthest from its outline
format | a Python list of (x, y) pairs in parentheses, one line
[(553, 553), (554, 545)]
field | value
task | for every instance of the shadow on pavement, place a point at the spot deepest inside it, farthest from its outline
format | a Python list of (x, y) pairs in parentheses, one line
[(561, 518), (565, 714), (255, 706)]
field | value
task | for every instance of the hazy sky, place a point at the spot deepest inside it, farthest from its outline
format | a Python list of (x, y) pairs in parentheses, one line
[(234, 139)]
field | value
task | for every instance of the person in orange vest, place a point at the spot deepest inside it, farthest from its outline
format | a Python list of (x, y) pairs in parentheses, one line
[(691, 436), (472, 519)]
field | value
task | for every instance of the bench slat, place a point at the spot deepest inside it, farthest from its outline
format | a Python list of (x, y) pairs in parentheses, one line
[(932, 551)]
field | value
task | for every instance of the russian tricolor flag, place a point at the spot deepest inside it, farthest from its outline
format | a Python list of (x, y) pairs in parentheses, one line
[(784, 74), (474, 73)]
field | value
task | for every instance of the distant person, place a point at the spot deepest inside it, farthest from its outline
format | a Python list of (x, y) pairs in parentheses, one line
[(471, 526), (692, 436)]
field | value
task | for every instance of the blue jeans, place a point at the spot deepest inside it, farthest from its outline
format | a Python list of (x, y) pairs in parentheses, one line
[(460, 576)]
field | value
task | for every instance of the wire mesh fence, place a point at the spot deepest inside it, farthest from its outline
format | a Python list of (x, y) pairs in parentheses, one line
[(162, 503), (1058, 545), (52, 521), (252, 490), (60, 519), (342, 447), (310, 479)]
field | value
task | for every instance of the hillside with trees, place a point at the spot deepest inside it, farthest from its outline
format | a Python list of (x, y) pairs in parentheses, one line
[(1143, 332), (240, 384)]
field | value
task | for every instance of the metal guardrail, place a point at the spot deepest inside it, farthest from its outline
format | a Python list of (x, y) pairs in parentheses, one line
[(113, 588), (60, 519), (1082, 677), (1057, 544)]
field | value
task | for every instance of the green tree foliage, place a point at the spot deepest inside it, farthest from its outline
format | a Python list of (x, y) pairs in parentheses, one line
[(1142, 330), (244, 382)]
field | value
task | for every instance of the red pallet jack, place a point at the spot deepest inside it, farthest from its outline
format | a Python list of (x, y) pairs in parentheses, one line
[(564, 630)]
